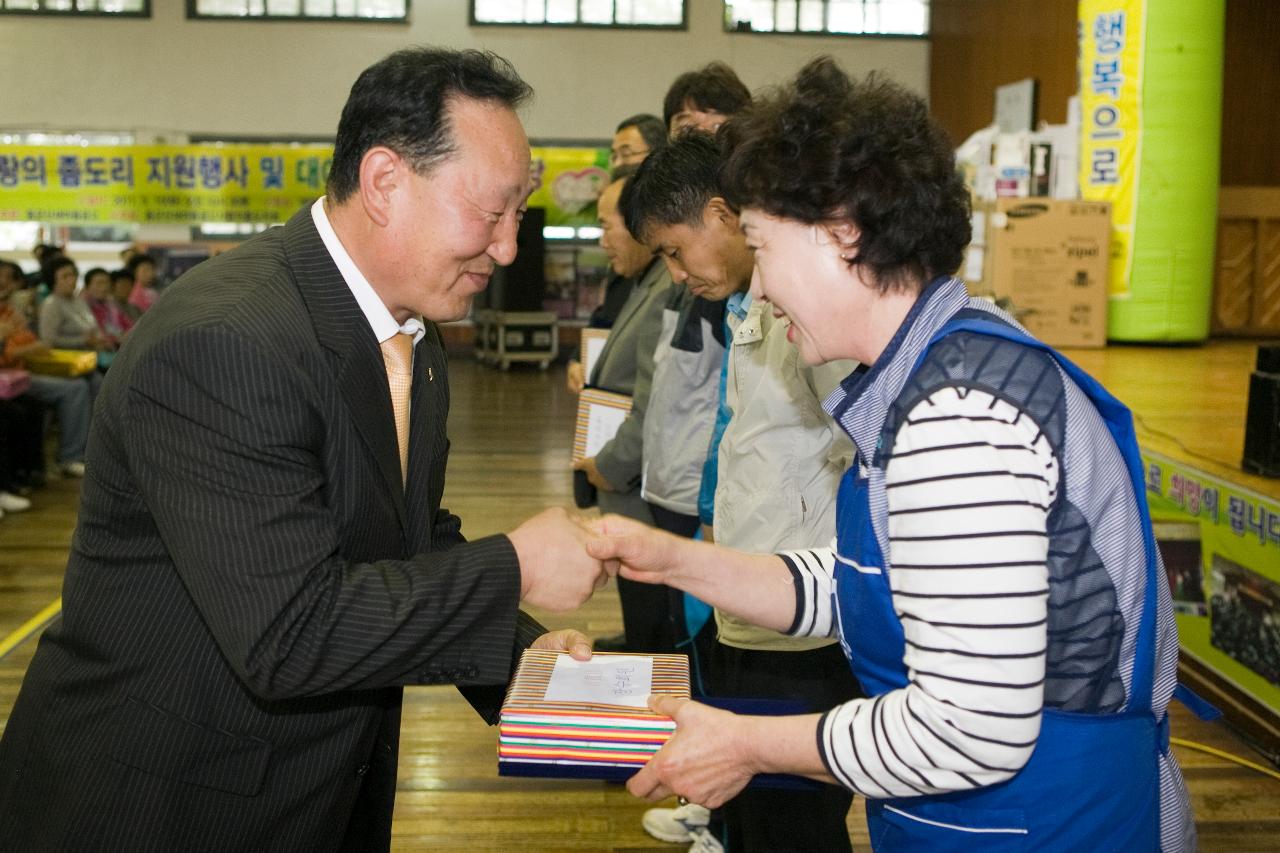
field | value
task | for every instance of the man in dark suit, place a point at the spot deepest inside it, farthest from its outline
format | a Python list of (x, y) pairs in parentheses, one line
[(261, 561)]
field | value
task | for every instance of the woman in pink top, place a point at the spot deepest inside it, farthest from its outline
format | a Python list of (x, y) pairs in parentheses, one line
[(112, 320), (143, 268)]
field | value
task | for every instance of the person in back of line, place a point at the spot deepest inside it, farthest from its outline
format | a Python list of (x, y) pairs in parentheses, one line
[(625, 366), (633, 139), (704, 99)]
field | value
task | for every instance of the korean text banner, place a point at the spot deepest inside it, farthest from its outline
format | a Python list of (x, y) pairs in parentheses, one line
[(1226, 586), (192, 184), (1151, 104), (162, 184), (1111, 33)]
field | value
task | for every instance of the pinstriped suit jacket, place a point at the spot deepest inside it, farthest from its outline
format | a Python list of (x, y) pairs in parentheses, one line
[(249, 586)]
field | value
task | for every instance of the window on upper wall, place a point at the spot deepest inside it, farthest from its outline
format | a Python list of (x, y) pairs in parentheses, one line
[(667, 14), (828, 17), (301, 10), (125, 8)]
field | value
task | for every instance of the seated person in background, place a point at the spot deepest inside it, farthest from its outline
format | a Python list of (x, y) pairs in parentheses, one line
[(45, 254), (121, 289), (143, 269), (72, 397), (22, 296), (112, 321), (21, 431), (67, 322)]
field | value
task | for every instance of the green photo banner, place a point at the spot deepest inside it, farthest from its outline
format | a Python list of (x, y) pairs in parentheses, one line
[(1151, 104), (567, 182), (1227, 601)]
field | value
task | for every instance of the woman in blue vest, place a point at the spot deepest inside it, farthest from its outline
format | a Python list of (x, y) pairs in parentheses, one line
[(993, 581)]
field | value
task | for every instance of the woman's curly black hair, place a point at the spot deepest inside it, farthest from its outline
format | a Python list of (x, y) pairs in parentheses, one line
[(825, 148)]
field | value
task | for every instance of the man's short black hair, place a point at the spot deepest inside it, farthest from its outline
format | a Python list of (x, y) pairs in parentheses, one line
[(623, 172), (122, 273), (92, 271), (650, 127), (401, 101), (825, 147), (715, 86), (672, 185)]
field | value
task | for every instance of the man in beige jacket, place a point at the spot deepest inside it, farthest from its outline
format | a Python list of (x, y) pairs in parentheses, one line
[(779, 464)]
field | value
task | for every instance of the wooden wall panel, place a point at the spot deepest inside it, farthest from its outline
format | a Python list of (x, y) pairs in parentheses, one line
[(1233, 285), (1250, 92), (978, 45)]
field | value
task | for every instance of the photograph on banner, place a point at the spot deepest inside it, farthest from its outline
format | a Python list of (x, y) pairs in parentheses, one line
[(1227, 592), (567, 182), (1244, 617)]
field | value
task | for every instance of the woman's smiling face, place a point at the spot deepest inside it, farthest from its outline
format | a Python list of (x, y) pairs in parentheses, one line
[(800, 271)]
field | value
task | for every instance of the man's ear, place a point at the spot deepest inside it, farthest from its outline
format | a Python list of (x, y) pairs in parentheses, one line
[(718, 210), (382, 171)]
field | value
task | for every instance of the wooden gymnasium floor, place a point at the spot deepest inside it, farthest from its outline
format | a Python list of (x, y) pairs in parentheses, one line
[(510, 458)]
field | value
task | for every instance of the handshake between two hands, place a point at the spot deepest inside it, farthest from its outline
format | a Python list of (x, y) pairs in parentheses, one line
[(565, 559)]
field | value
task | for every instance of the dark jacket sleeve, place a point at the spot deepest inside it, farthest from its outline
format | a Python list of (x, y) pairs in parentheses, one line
[(487, 698), (227, 445)]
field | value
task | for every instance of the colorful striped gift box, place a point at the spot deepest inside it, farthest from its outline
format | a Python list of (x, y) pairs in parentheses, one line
[(595, 740)]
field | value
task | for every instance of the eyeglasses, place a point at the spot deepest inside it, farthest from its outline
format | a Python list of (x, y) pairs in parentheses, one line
[(626, 152)]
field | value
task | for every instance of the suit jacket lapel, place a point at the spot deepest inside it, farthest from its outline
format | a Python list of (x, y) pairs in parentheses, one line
[(342, 329), (428, 440)]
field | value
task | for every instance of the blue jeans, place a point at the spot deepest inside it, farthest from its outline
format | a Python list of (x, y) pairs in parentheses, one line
[(73, 399)]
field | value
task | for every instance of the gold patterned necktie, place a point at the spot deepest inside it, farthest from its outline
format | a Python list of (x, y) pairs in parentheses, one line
[(397, 355)]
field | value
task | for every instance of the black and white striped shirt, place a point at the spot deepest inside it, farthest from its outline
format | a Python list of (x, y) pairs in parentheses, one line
[(969, 484), (1013, 548)]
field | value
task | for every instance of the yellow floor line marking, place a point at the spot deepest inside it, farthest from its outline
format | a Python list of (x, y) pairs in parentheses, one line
[(31, 626)]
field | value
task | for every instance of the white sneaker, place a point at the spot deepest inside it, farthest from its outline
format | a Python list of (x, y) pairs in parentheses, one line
[(675, 825), (73, 469), (705, 842), (13, 503)]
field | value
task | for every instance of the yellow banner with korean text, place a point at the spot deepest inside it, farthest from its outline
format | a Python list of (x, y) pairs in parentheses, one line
[(230, 182), (162, 184), (1111, 51)]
